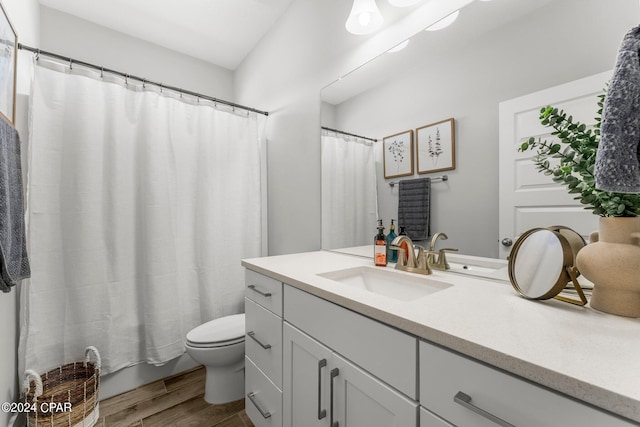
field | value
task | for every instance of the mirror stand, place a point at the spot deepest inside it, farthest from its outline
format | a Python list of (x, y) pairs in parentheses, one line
[(573, 274)]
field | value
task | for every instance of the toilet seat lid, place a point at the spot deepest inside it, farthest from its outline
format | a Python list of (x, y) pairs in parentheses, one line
[(220, 331)]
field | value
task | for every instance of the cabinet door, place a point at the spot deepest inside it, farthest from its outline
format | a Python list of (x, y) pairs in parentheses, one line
[(320, 388), (305, 380), (364, 401)]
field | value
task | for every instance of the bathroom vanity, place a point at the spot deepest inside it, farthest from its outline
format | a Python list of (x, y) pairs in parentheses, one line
[(438, 350)]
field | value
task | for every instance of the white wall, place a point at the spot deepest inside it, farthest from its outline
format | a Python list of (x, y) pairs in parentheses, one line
[(565, 41), (24, 15), (73, 37)]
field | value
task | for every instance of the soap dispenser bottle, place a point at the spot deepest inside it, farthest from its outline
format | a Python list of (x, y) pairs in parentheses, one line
[(380, 247), (392, 254)]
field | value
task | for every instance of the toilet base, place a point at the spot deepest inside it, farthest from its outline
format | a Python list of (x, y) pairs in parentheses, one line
[(224, 385)]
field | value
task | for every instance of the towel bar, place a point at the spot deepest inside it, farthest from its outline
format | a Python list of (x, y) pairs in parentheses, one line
[(436, 179)]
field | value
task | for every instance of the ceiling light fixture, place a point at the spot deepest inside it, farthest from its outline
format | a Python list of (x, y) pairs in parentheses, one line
[(365, 18), (403, 3), (444, 22)]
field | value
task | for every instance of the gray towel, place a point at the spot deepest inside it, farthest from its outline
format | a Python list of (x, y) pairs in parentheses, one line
[(14, 264), (413, 207), (617, 160)]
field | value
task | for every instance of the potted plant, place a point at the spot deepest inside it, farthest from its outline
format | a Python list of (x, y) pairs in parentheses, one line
[(612, 259)]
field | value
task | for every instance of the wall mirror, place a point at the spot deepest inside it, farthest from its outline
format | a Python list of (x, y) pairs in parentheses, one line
[(542, 263), (495, 51)]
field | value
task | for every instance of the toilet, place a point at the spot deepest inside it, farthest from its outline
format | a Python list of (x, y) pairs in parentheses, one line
[(219, 346)]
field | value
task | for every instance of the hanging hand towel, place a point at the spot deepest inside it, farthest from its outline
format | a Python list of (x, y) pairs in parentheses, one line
[(617, 160), (14, 264), (413, 207)]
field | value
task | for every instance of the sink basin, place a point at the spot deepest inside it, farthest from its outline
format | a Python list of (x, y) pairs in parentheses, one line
[(390, 283)]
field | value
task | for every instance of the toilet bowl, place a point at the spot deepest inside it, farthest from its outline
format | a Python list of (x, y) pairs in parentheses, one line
[(219, 346)]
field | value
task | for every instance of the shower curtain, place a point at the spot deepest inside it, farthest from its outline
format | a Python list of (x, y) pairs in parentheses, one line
[(349, 196), (140, 207)]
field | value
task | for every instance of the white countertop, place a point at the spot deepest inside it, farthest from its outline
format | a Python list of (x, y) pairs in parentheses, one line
[(584, 353)]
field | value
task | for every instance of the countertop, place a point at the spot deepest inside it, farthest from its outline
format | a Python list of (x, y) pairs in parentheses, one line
[(579, 351)]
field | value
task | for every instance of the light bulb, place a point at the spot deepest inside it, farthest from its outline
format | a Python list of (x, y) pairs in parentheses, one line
[(444, 22), (365, 18)]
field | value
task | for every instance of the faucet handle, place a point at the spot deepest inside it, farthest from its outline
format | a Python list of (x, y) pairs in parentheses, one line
[(442, 260), (402, 254), (423, 259)]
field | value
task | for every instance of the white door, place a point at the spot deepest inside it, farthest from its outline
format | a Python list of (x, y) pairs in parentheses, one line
[(527, 197)]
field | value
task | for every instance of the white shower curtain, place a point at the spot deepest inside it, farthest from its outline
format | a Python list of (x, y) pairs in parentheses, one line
[(140, 207), (349, 195)]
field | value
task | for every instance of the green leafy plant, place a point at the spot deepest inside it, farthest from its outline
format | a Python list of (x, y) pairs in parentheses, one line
[(576, 157)]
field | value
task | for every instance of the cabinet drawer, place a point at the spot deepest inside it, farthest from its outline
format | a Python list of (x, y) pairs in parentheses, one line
[(263, 344), (264, 290), (385, 352), (264, 400), (443, 374)]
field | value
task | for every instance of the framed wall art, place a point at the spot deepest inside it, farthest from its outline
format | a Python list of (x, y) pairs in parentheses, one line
[(436, 147), (8, 59), (397, 151)]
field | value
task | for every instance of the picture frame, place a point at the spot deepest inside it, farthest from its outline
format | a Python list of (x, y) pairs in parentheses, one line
[(435, 148), (397, 154), (8, 62)]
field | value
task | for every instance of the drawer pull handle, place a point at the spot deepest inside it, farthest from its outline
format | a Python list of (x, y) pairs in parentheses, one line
[(321, 412), (252, 398), (465, 400), (334, 373), (254, 289), (252, 335)]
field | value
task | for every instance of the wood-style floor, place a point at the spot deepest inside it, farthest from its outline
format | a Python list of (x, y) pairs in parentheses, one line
[(175, 401)]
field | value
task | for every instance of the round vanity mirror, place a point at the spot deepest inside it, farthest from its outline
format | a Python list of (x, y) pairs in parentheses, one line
[(541, 263)]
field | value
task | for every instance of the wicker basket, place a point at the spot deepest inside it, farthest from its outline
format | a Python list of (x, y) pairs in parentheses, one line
[(65, 396)]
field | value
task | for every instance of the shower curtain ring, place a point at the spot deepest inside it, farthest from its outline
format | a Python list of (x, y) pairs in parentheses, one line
[(144, 83), (70, 64), (101, 72), (38, 55)]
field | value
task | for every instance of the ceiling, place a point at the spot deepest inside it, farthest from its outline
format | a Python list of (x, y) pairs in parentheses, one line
[(475, 21), (222, 32)]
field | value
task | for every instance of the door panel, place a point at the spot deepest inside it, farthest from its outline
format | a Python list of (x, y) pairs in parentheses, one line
[(529, 198), (364, 401), (302, 362)]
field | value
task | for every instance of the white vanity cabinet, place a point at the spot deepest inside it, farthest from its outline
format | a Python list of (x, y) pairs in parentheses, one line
[(468, 393), (331, 366), (263, 350), (322, 387)]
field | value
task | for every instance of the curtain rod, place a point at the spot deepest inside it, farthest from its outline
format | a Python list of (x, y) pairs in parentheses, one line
[(72, 61), (348, 134)]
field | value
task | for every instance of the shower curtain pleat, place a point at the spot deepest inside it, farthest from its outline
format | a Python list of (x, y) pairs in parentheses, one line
[(140, 208), (349, 195)]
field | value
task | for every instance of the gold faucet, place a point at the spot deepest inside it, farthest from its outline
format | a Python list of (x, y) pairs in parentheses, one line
[(437, 260), (408, 261)]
